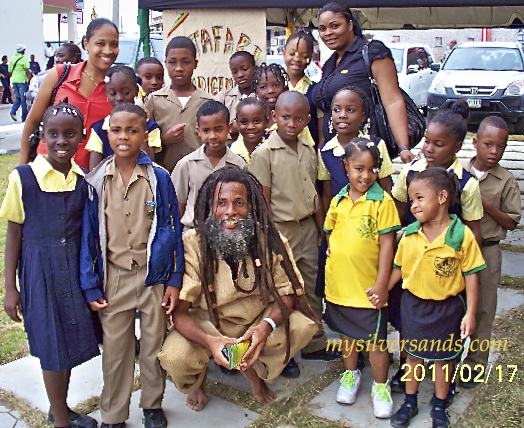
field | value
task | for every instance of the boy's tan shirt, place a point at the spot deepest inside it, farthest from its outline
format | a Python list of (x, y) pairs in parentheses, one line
[(500, 188)]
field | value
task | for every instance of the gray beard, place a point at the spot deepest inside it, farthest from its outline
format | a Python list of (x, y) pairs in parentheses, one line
[(230, 246)]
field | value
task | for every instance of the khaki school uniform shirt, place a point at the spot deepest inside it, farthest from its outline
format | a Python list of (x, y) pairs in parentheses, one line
[(191, 172), (500, 188), (230, 98), (166, 109), (129, 216), (290, 175)]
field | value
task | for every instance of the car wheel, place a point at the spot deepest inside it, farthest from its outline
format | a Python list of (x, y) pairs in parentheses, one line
[(519, 126)]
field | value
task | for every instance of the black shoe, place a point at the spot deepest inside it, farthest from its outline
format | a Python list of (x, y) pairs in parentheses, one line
[(361, 363), (451, 394), (228, 372), (391, 360), (323, 355), (471, 383), (396, 384), (120, 425), (291, 371), (404, 415), (75, 419), (154, 418), (440, 417)]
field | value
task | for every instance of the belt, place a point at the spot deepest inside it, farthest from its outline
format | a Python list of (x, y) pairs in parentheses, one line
[(490, 243)]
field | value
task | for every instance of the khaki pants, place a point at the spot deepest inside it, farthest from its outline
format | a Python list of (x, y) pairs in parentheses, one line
[(489, 280), (303, 241), (125, 292), (186, 361)]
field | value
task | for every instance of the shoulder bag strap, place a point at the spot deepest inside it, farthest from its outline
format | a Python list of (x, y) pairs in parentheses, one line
[(14, 66), (365, 57), (65, 72)]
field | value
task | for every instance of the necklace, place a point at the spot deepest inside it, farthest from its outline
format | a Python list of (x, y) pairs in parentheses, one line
[(88, 75)]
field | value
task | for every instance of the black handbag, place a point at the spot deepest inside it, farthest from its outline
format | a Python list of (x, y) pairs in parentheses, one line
[(416, 121), (34, 138)]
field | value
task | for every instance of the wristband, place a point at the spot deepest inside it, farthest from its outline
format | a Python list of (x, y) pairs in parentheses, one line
[(404, 147), (272, 324)]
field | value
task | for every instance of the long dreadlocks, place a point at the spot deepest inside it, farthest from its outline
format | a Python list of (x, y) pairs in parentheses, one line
[(265, 245)]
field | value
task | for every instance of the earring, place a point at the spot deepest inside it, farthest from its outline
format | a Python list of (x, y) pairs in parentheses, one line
[(87, 52)]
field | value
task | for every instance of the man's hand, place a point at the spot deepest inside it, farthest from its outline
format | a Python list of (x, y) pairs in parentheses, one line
[(215, 345), (468, 325), (12, 305), (258, 336), (170, 300), (97, 305), (174, 135), (406, 156)]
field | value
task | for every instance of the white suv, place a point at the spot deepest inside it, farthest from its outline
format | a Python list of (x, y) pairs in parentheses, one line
[(413, 63), (490, 75)]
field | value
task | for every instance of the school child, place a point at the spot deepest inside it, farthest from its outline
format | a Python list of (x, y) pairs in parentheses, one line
[(151, 73), (501, 202), (130, 238), (213, 127), (442, 141), (174, 106), (297, 55), (43, 206), (437, 258), (251, 122), (242, 65), (365, 215), (121, 87), (286, 166)]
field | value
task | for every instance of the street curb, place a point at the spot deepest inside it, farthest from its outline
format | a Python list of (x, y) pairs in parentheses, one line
[(5, 106), (9, 152)]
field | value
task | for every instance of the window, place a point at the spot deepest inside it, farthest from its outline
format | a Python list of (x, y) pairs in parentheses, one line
[(471, 39), (396, 39), (438, 42)]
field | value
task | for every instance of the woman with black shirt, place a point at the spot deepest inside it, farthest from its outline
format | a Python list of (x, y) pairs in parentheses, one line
[(340, 31)]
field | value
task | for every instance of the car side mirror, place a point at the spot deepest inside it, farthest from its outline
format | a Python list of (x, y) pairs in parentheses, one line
[(412, 69), (435, 66)]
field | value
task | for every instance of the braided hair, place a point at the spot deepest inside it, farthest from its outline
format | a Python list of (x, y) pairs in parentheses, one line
[(439, 179), (454, 119), (66, 108), (279, 72), (360, 145), (266, 245)]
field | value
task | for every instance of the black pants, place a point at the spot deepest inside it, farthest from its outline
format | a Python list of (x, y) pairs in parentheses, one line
[(6, 95)]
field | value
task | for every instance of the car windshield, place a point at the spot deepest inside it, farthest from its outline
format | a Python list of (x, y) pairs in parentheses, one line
[(127, 52), (158, 46), (484, 58), (398, 57)]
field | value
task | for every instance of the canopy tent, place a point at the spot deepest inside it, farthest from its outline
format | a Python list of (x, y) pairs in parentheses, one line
[(374, 14)]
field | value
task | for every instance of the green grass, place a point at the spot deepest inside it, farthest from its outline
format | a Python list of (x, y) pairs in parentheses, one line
[(516, 282)]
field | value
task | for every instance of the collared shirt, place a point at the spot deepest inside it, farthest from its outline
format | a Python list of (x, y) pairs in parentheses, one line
[(386, 169), (18, 64), (302, 86), (355, 228), (435, 270), (470, 199), (239, 148), (99, 137), (291, 176), (230, 98), (129, 216), (166, 109), (500, 188), (304, 135), (191, 172), (49, 180)]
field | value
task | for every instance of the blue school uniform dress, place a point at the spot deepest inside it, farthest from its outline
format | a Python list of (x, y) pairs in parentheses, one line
[(57, 319)]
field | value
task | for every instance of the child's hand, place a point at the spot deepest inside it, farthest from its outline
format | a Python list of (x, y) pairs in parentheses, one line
[(328, 252), (170, 300), (378, 296), (13, 306), (175, 134), (97, 305), (467, 326)]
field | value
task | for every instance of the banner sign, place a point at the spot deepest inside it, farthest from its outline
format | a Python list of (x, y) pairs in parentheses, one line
[(218, 34)]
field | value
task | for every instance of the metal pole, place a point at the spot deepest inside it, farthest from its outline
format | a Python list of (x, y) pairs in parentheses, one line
[(116, 13)]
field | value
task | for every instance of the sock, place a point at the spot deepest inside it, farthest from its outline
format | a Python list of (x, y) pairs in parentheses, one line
[(441, 405), (411, 398)]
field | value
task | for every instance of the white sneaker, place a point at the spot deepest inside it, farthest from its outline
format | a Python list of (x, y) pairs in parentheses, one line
[(349, 387), (381, 400)]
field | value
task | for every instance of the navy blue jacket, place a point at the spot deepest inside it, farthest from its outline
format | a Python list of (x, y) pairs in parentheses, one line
[(164, 244)]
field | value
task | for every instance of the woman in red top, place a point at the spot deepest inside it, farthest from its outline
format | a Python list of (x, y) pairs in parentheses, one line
[(83, 87)]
